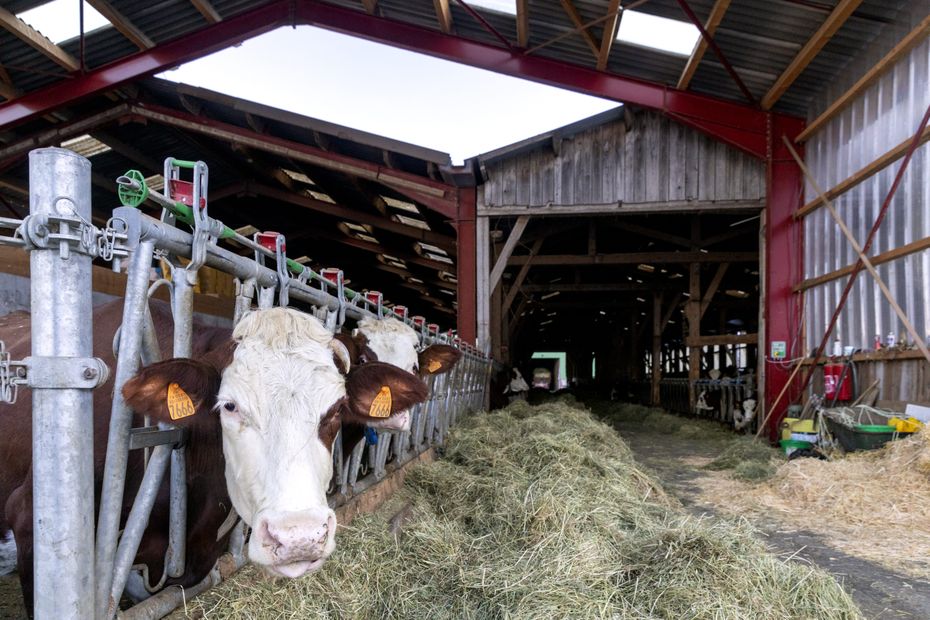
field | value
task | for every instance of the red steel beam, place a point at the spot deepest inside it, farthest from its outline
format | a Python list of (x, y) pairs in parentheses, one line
[(433, 194), (183, 49), (737, 124), (783, 267)]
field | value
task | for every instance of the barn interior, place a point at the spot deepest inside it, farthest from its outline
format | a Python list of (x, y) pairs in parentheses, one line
[(674, 253)]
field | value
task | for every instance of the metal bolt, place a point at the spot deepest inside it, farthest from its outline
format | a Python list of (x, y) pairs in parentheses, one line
[(90, 373)]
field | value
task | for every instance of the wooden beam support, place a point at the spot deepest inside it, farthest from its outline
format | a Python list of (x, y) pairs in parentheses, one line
[(636, 229), (446, 242), (709, 341), (878, 259), (521, 275), (885, 160), (523, 23), (634, 258), (134, 155), (371, 6), (37, 40), (656, 346), (443, 15), (906, 44), (712, 289), (671, 311), (628, 208), (710, 26), (830, 26), (206, 9), (693, 314), (596, 287), (610, 34), (573, 15), (122, 24), (503, 260)]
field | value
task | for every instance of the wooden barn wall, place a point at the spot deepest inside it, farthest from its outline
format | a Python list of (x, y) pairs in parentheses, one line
[(656, 160)]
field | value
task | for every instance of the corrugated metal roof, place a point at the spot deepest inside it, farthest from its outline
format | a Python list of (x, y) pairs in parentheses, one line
[(759, 37)]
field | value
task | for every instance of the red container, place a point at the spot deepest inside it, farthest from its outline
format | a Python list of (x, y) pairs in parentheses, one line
[(269, 240), (183, 192), (331, 274), (836, 386), (400, 311), (419, 321), (433, 328), (374, 297)]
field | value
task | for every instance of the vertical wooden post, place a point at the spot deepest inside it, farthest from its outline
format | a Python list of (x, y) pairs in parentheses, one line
[(656, 346), (693, 311)]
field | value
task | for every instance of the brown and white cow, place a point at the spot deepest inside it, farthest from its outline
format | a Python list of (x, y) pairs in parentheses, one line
[(268, 400)]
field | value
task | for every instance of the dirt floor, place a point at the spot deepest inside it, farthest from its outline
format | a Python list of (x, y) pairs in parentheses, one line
[(678, 461)]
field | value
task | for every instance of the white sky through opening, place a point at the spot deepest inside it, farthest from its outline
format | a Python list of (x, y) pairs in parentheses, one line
[(60, 20), (388, 91), (660, 33)]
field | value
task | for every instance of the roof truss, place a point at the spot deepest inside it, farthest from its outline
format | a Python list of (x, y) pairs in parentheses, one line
[(35, 39)]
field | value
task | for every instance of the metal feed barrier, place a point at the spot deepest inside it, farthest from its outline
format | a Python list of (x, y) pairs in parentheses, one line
[(62, 373)]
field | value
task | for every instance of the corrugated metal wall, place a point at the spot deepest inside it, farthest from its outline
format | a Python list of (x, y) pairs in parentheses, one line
[(885, 115), (655, 161)]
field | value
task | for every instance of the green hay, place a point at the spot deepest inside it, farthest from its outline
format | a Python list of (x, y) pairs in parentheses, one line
[(539, 512), (744, 451), (754, 471)]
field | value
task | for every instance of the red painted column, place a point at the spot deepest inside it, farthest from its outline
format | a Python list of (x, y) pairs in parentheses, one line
[(784, 266), (467, 264)]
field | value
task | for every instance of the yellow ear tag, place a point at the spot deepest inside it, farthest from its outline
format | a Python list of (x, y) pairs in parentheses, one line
[(381, 405), (434, 366), (179, 403)]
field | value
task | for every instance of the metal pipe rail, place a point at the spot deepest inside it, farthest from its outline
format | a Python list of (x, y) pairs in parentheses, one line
[(63, 456)]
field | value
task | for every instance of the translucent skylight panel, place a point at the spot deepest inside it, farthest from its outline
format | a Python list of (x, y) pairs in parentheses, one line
[(411, 221), (508, 7), (400, 204), (298, 176), (59, 20), (86, 146), (321, 196), (659, 33)]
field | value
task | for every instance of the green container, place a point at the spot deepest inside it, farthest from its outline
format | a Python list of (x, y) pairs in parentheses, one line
[(790, 445), (863, 436)]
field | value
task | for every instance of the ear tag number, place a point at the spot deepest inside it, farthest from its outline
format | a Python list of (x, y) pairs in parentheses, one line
[(434, 366), (180, 404), (381, 405)]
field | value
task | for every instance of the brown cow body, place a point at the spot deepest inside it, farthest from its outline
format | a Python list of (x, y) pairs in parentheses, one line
[(208, 500)]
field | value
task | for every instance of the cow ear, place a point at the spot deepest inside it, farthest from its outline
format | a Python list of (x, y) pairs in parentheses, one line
[(173, 391), (379, 395), (438, 359)]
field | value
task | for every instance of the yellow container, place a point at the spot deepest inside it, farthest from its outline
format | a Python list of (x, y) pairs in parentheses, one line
[(910, 425), (796, 425)]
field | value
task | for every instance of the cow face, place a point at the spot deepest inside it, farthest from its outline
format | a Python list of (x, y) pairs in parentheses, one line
[(280, 402), (394, 342)]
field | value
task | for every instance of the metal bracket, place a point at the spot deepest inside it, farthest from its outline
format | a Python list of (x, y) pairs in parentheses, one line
[(12, 375), (151, 436), (65, 372), (74, 234)]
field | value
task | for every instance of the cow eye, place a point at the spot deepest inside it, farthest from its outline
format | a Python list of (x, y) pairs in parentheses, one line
[(230, 406), (416, 369)]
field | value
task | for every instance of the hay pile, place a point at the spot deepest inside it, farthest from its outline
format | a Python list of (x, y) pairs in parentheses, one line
[(632, 417), (539, 512), (747, 458), (874, 505)]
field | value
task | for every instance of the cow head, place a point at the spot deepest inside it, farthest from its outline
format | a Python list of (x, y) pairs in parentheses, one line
[(395, 343), (279, 400)]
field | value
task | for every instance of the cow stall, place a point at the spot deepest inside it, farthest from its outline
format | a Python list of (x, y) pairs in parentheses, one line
[(62, 373)]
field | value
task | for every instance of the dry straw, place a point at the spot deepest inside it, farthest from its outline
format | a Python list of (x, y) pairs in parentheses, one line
[(874, 505), (539, 512)]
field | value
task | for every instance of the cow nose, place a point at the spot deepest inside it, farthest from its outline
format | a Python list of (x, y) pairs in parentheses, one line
[(292, 543)]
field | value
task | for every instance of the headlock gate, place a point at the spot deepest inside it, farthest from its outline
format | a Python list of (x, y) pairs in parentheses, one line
[(62, 373)]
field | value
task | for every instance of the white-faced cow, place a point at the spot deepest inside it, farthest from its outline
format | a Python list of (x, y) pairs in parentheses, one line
[(394, 342), (268, 400)]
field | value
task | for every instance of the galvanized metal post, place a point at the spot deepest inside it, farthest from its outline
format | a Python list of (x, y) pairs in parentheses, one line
[(114, 473), (62, 417)]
